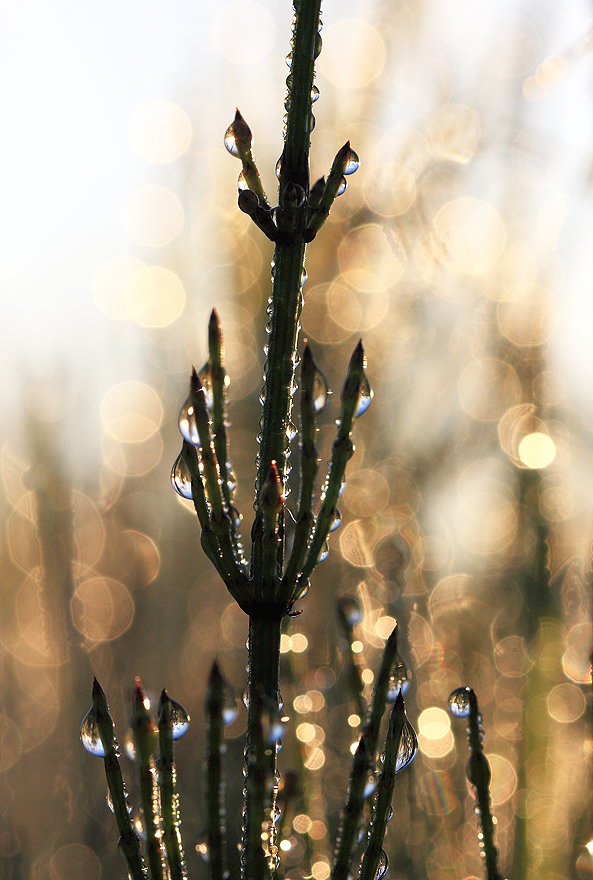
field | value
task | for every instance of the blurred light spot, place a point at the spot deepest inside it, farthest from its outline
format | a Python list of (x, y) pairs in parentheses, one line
[(102, 609), (434, 723), (566, 703), (389, 188), (318, 322), (317, 830), (361, 44), (453, 133), (299, 643), (437, 797), (436, 747), (220, 237), (38, 638), (359, 539), (552, 70), (311, 734), (487, 388), (133, 459), (316, 699), (435, 553), (314, 760), (23, 541), (537, 450), (472, 232), (529, 319), (243, 32), (301, 823), (549, 387), (154, 296), (160, 131), (576, 659), (517, 424), (109, 284), (367, 494), (556, 503), (285, 644), (504, 779), (384, 626), (75, 860), (486, 520), (320, 870), (302, 704), (10, 844), (368, 676), (152, 216), (357, 646), (285, 845), (143, 552), (353, 747), (424, 83), (510, 657), (131, 412), (421, 638), (354, 720), (10, 743), (451, 595)]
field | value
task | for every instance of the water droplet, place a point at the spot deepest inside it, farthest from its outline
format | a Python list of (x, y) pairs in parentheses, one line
[(390, 814), (324, 553), (110, 802), (314, 94), (342, 186), (138, 823), (383, 866), (342, 485), (399, 680), (301, 590), (129, 746), (321, 391), (229, 713), (317, 48), (337, 521), (187, 423), (351, 610), (234, 514), (242, 184), (180, 477), (366, 395), (408, 747), (288, 59), (202, 850), (89, 734), (205, 377), (179, 719), (371, 785), (246, 698), (291, 431), (277, 730), (459, 703), (352, 163), (304, 277)]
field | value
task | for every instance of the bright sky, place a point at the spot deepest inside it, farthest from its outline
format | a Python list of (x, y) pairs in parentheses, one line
[(79, 86)]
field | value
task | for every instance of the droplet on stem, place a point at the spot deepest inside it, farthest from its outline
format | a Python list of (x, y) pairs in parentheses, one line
[(459, 702), (89, 734), (180, 477)]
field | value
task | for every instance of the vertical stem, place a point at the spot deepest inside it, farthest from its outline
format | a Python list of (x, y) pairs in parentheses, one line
[(262, 689)]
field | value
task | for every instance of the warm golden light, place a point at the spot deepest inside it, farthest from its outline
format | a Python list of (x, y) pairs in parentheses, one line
[(152, 216), (160, 131), (537, 450)]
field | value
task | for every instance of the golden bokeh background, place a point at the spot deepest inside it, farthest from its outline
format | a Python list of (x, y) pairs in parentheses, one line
[(460, 252)]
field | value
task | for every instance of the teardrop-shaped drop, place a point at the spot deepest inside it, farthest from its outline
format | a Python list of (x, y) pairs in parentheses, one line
[(179, 719), (324, 553), (399, 680), (291, 431), (383, 866), (242, 182), (187, 423), (337, 521), (314, 94), (408, 747), (459, 702), (321, 391), (342, 187), (129, 747), (352, 163), (238, 135), (89, 734), (366, 395), (180, 477), (301, 590), (205, 377), (229, 713)]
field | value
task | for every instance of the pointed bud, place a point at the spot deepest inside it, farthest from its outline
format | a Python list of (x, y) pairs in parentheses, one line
[(238, 138), (316, 192)]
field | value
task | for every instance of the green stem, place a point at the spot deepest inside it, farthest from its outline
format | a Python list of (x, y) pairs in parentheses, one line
[(214, 780), (169, 798)]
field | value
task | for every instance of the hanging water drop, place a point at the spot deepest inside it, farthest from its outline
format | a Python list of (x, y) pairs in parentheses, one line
[(371, 785), (324, 553), (342, 186), (180, 477), (408, 747), (383, 866), (321, 391), (179, 719), (138, 823), (291, 432), (366, 395), (337, 521), (237, 136), (342, 485), (89, 734), (352, 163), (459, 702), (399, 680), (242, 184), (314, 94), (187, 423)]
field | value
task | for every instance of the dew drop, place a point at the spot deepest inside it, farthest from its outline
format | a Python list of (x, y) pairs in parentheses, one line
[(89, 734), (291, 431), (371, 785), (408, 747), (399, 680), (277, 730), (180, 477), (301, 590), (234, 514), (202, 850), (383, 866), (459, 702), (230, 140), (314, 94), (351, 610), (342, 186), (229, 713), (321, 391), (129, 746), (366, 395), (337, 521), (246, 698), (352, 163), (324, 553), (187, 423), (179, 719), (242, 184), (288, 59), (342, 485)]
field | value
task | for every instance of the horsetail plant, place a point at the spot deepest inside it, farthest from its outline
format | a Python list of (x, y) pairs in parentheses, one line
[(279, 569)]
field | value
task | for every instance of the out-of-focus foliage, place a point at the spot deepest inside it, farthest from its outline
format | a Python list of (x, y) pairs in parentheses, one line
[(467, 513)]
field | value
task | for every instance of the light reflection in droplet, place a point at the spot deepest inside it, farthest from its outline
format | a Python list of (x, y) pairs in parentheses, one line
[(566, 703)]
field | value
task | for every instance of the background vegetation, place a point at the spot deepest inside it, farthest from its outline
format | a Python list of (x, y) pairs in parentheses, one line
[(457, 255)]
